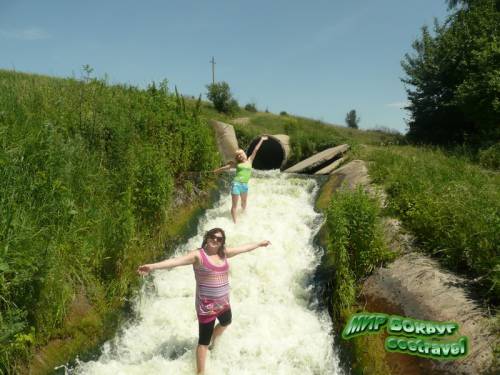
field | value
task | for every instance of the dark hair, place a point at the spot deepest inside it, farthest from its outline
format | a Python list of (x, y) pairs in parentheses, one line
[(222, 248)]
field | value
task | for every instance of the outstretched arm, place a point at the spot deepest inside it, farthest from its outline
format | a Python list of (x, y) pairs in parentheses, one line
[(183, 260), (256, 149), (231, 252), (225, 167)]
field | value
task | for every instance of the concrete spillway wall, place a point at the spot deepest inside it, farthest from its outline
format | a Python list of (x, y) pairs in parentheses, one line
[(226, 140)]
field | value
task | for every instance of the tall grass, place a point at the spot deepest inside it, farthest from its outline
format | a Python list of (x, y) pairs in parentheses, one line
[(87, 170), (355, 246), (451, 205)]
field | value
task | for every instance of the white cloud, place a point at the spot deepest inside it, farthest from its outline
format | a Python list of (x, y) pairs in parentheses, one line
[(398, 104), (32, 33)]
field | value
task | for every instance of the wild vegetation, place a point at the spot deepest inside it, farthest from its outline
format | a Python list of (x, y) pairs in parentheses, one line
[(352, 120), (251, 107), (88, 170), (352, 237), (490, 157), (354, 246), (450, 204), (220, 95), (453, 78)]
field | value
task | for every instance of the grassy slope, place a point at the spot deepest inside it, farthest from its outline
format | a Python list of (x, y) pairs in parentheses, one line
[(72, 157), (449, 203), (88, 172)]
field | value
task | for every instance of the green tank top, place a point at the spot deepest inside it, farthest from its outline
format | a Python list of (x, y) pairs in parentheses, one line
[(243, 172)]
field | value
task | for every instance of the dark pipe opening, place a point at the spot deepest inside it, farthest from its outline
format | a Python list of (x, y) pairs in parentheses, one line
[(269, 156)]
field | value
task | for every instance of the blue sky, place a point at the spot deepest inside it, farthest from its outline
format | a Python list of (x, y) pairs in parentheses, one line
[(317, 59)]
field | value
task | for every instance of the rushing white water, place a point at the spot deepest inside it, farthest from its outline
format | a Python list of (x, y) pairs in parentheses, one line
[(274, 330)]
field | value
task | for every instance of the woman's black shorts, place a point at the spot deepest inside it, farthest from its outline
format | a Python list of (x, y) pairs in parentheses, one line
[(206, 329)]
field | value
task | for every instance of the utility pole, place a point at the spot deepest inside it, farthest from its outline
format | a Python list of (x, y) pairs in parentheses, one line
[(213, 70)]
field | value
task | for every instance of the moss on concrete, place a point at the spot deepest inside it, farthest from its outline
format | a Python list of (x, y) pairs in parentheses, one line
[(327, 190), (370, 356)]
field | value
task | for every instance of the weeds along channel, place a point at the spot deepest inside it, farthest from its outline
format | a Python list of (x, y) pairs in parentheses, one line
[(451, 205), (88, 173), (91, 172)]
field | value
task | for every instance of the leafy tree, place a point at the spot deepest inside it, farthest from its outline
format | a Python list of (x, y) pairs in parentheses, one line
[(220, 95), (352, 120), (453, 78), (456, 3), (466, 3), (234, 107), (251, 107)]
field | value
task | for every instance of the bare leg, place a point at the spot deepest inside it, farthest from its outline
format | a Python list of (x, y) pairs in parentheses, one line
[(234, 206), (244, 197), (201, 355), (217, 332)]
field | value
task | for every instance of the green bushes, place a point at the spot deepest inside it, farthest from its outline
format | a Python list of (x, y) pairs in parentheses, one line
[(452, 206), (490, 157), (220, 95), (251, 107), (355, 245), (87, 172), (153, 185), (452, 78), (352, 120)]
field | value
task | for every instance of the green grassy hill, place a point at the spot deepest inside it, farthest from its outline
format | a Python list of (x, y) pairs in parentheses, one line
[(89, 173), (450, 203), (307, 136)]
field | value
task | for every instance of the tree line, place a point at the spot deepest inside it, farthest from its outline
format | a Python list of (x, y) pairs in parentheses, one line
[(452, 80), (453, 77)]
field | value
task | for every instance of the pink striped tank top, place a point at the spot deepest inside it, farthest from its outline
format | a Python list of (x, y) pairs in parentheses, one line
[(212, 288)]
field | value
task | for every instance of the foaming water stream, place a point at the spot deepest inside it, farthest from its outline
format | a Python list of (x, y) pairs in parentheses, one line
[(275, 329)]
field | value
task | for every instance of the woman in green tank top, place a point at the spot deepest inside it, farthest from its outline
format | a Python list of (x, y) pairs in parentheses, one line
[(239, 186)]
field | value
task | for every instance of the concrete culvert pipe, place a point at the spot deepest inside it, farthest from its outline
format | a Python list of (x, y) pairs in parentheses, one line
[(273, 153), (226, 140)]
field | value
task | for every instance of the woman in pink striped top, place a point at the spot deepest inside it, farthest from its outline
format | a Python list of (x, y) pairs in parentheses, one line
[(211, 269)]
